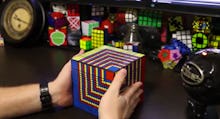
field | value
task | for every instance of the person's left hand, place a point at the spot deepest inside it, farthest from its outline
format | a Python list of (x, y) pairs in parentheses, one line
[(61, 88)]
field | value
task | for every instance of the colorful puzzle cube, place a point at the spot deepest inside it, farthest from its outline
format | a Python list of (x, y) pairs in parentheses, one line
[(57, 37), (164, 33), (184, 36), (169, 57), (57, 20), (131, 47), (73, 10), (150, 18), (73, 17), (85, 43), (199, 41), (93, 72), (97, 10), (118, 44), (130, 15), (87, 27), (99, 37), (59, 7), (175, 23), (214, 41), (202, 24)]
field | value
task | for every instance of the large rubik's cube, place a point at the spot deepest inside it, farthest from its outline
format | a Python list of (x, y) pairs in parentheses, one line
[(99, 37), (93, 72), (149, 18)]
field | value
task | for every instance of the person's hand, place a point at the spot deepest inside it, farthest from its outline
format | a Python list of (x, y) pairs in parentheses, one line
[(116, 104), (61, 88)]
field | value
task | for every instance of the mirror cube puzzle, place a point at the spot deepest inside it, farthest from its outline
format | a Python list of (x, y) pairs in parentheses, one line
[(93, 72)]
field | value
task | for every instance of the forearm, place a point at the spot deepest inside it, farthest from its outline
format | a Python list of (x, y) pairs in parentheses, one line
[(21, 100)]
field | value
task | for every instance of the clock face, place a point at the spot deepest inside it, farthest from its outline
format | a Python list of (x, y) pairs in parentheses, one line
[(18, 19)]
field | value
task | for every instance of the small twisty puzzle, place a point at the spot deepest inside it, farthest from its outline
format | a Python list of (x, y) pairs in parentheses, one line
[(93, 72)]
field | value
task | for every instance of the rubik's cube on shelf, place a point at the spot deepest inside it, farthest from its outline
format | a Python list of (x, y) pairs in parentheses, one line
[(74, 28), (214, 41), (57, 37), (73, 16), (164, 33), (202, 24), (87, 27), (150, 18), (97, 10), (57, 20), (175, 23), (184, 36), (57, 25), (59, 7), (199, 41), (117, 44), (131, 47), (130, 15), (99, 37), (86, 43), (93, 72)]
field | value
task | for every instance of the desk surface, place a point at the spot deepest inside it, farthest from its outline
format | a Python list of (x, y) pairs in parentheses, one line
[(164, 96)]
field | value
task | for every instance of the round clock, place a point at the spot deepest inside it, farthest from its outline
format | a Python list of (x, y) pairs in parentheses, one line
[(22, 21)]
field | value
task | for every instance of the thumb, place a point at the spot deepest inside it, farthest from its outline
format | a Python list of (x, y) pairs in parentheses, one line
[(118, 81), (79, 53)]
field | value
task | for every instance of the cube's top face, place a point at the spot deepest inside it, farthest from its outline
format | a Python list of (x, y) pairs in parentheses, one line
[(108, 58)]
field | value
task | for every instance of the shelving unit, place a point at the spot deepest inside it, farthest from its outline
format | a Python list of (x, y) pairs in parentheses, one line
[(148, 4)]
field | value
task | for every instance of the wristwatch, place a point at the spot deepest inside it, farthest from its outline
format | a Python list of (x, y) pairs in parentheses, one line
[(45, 97)]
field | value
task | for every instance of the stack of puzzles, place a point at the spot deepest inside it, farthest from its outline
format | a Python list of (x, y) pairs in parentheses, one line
[(93, 72)]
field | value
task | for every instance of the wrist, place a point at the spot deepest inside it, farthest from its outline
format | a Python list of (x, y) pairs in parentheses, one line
[(54, 94)]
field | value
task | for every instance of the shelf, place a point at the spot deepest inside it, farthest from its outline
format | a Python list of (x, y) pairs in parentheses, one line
[(141, 4), (186, 9), (146, 4)]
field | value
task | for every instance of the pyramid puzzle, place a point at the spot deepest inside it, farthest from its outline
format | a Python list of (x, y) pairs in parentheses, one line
[(93, 72)]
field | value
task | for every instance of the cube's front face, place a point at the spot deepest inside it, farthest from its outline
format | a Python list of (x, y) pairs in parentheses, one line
[(93, 72)]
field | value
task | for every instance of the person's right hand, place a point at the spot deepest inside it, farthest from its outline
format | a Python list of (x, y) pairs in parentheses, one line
[(116, 104)]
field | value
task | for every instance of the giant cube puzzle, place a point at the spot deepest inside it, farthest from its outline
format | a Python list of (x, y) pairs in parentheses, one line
[(93, 72)]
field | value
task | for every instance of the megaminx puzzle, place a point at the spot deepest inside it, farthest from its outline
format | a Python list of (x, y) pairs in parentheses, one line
[(93, 72)]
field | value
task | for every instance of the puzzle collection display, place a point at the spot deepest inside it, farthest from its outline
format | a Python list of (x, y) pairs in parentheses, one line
[(64, 25), (94, 71), (104, 30)]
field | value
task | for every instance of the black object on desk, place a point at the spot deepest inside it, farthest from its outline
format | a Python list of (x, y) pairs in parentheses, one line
[(201, 81)]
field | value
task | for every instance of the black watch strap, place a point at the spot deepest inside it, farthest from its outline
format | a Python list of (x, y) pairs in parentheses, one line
[(45, 97)]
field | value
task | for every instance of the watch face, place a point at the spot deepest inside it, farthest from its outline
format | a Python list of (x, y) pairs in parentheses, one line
[(18, 19)]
